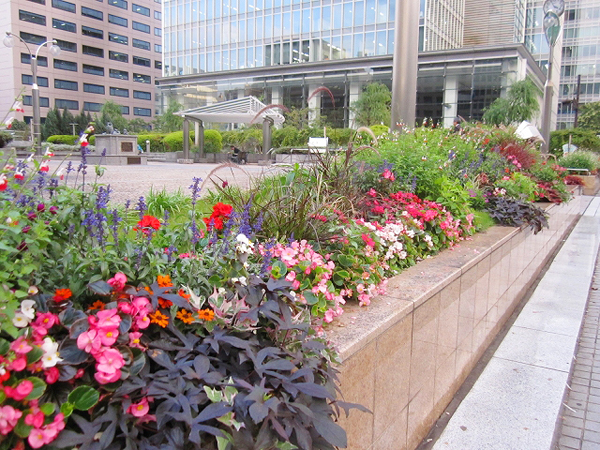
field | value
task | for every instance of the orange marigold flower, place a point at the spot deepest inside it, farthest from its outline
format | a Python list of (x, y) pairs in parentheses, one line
[(206, 314), (184, 294), (164, 303), (159, 319), (99, 305), (164, 281), (185, 316), (62, 294)]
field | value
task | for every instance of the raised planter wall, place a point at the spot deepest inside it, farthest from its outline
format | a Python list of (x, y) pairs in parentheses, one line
[(405, 356)]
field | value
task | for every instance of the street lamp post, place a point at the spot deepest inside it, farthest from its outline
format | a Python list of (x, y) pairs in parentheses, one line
[(553, 9), (9, 41)]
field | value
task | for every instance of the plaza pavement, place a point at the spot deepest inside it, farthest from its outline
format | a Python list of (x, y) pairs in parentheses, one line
[(539, 388)]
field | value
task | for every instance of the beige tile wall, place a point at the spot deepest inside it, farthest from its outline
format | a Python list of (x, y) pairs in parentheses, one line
[(405, 356)]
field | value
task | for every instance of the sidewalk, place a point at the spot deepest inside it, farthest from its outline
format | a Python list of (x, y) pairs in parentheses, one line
[(517, 401)]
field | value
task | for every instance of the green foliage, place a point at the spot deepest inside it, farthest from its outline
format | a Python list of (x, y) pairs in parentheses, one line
[(175, 203), (582, 138), (373, 105), (589, 117), (5, 138), (174, 142), (156, 141), (519, 186), (137, 126), (169, 122), (521, 103), (213, 142), (110, 112), (580, 160), (68, 139), (380, 130), (65, 123), (340, 136), (52, 125), (290, 136)]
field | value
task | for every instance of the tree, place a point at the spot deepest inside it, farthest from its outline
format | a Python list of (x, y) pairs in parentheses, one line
[(373, 105), (521, 103), (65, 122), (589, 117), (52, 124), (169, 122), (138, 126), (110, 112)]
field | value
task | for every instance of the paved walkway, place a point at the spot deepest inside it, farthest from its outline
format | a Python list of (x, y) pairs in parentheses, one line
[(518, 402)]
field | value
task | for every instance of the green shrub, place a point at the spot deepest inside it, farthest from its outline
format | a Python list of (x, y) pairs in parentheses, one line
[(63, 139), (174, 142), (580, 160), (340, 137), (156, 141), (379, 130), (584, 139), (92, 139), (213, 142), (5, 138), (519, 186)]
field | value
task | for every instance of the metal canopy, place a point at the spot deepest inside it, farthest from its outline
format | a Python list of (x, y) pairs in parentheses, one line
[(240, 110)]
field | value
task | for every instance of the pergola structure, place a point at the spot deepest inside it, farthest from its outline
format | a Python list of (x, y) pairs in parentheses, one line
[(240, 110)]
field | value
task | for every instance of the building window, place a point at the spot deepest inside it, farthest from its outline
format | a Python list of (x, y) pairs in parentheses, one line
[(93, 88), (138, 77), (146, 112), (66, 85), (139, 26), (92, 107), (158, 48), (117, 20), (118, 38), (118, 74), (63, 25), (69, 104), (125, 110), (157, 31), (158, 15), (118, 56), (28, 80), (65, 65), (93, 70), (42, 61), (119, 92), (93, 13), (65, 6), (92, 32), (158, 65), (41, 2), (139, 61), (138, 43), (92, 51), (142, 95), (27, 16), (140, 9), (118, 3), (66, 45), (28, 101), (32, 38)]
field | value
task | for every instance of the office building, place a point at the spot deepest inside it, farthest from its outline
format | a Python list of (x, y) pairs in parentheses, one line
[(110, 50)]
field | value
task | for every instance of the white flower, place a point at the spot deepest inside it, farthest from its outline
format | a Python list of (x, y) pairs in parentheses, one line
[(32, 290), (20, 320), (50, 360), (30, 158), (49, 346), (27, 308), (243, 244), (243, 281), (9, 220)]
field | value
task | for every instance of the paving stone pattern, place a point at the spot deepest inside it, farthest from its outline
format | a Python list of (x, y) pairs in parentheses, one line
[(579, 427)]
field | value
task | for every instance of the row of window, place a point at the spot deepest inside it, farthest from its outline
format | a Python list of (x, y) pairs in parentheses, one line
[(97, 70), (93, 32), (67, 6), (70, 7), (87, 106), (89, 87)]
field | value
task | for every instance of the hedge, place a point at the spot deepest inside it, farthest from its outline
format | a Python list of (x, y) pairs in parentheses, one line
[(67, 139), (174, 141), (213, 142), (156, 141), (584, 139)]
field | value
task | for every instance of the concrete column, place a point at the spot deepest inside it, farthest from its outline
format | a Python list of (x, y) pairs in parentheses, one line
[(450, 100), (196, 133), (353, 94), (314, 104), (405, 64), (266, 129), (186, 139), (200, 137), (276, 95)]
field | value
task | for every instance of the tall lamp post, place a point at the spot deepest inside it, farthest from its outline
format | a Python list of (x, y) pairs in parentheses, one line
[(553, 9), (9, 41)]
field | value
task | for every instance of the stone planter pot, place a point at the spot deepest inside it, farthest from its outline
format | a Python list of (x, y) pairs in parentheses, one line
[(405, 356), (591, 184)]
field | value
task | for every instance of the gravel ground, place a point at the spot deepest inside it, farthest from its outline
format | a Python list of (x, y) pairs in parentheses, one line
[(131, 182)]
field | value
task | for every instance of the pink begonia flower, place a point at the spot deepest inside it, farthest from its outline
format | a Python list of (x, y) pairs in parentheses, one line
[(44, 322), (88, 341), (39, 437), (139, 409), (18, 364), (109, 361), (108, 319), (142, 322), (364, 300), (125, 308), (134, 339), (21, 346), (118, 281), (9, 417), (291, 276), (141, 305), (108, 337), (295, 285), (329, 315), (35, 420), (105, 378), (19, 393), (52, 375)]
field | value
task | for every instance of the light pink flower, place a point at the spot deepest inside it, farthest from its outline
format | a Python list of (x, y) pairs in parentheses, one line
[(105, 378), (88, 341), (139, 409), (134, 339), (39, 437), (9, 417), (21, 346), (329, 315), (108, 336), (118, 281), (109, 361), (108, 319)]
